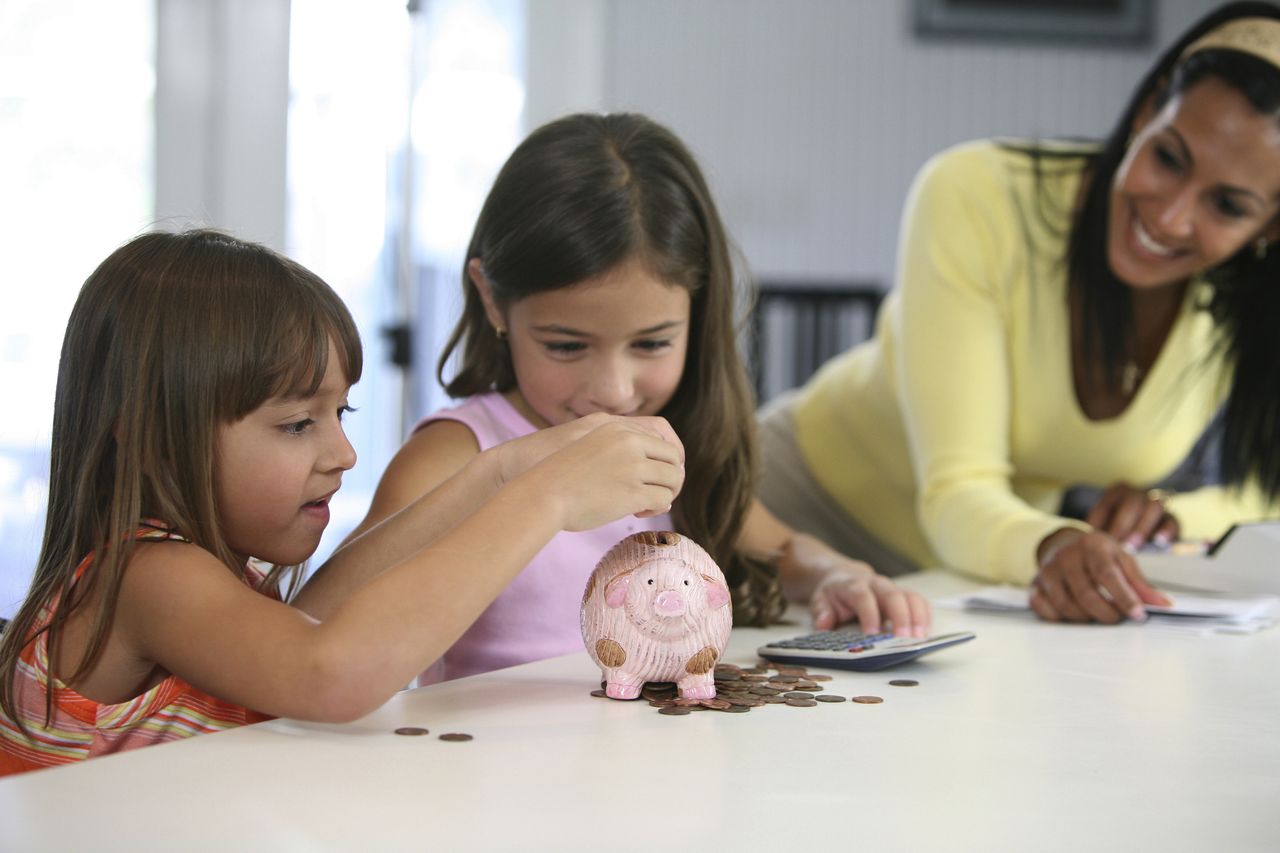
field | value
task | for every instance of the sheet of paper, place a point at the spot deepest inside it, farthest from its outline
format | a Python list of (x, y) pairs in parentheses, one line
[(1233, 613)]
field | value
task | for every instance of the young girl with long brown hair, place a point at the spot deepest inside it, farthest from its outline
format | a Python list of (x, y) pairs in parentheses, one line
[(599, 279), (197, 440)]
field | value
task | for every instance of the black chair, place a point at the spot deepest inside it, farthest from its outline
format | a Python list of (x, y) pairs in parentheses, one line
[(797, 325)]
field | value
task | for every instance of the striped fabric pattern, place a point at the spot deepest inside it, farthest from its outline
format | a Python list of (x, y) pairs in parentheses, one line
[(82, 728)]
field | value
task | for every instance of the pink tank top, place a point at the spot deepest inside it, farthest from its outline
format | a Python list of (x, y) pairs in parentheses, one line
[(538, 615)]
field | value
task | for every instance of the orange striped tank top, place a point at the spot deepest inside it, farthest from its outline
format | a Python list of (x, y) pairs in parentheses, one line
[(82, 728)]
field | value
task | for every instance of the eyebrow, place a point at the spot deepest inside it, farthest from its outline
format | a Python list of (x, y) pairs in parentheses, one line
[(557, 329), (1186, 152)]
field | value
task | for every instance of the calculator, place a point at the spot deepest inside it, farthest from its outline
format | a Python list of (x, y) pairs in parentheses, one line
[(855, 650)]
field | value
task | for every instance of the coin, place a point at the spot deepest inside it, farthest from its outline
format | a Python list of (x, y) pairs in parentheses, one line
[(801, 703), (736, 709), (867, 700), (455, 736), (829, 697), (904, 682), (797, 694), (764, 690), (411, 730), (674, 711)]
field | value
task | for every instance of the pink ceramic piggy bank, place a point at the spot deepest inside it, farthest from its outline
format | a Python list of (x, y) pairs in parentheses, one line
[(656, 608)]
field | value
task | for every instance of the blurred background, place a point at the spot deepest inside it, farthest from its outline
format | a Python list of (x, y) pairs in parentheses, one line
[(360, 137)]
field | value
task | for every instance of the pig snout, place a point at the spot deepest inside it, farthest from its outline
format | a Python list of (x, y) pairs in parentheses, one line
[(669, 603)]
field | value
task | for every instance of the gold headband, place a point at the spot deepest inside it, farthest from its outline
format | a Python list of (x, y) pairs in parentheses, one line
[(1259, 37)]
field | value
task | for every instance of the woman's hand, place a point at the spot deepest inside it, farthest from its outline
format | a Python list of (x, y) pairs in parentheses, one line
[(1089, 577), (1134, 516)]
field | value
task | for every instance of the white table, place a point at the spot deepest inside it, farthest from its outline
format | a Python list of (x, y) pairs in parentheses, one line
[(1031, 737)]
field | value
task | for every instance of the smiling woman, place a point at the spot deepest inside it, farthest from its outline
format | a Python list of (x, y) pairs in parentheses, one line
[(1067, 314)]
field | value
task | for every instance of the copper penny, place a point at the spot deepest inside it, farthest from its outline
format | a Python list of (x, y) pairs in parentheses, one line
[(411, 730), (904, 682), (673, 711), (801, 703), (829, 697), (867, 700), (455, 736)]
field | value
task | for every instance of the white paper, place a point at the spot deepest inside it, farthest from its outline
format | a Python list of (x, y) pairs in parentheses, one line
[(1229, 613)]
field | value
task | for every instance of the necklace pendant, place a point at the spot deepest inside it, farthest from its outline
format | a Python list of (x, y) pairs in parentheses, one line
[(1129, 376)]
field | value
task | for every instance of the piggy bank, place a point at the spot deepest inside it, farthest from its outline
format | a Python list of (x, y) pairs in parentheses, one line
[(656, 608)]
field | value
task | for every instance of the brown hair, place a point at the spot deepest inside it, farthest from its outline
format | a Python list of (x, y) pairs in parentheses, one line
[(171, 336), (578, 197)]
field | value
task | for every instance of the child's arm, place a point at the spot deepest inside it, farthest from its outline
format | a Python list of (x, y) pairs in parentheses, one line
[(182, 610), (435, 480), (836, 587)]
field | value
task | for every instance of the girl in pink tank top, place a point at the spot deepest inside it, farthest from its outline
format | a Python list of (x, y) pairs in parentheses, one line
[(599, 279)]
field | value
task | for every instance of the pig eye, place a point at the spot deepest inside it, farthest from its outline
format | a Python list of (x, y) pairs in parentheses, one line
[(650, 581), (686, 583)]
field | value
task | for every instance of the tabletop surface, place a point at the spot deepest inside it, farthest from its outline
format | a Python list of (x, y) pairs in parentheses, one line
[(1031, 737)]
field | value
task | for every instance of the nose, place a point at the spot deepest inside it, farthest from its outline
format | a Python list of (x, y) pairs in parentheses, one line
[(1177, 217), (340, 455), (669, 603), (612, 386)]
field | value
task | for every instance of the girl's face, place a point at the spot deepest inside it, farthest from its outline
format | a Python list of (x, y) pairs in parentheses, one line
[(1201, 179), (277, 468), (615, 343)]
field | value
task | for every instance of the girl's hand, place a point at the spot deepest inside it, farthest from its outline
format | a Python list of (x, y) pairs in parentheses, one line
[(840, 589), (1134, 516), (1089, 577), (519, 455), (855, 591), (621, 467)]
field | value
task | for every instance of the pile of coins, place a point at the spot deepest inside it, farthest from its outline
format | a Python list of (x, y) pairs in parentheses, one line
[(739, 689)]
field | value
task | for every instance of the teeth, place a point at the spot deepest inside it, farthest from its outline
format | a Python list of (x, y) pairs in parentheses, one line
[(1148, 242)]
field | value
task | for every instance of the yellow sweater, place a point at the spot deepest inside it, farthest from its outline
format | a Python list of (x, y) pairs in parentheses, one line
[(952, 434)]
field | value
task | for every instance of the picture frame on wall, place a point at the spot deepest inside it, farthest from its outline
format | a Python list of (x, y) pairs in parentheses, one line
[(1126, 23)]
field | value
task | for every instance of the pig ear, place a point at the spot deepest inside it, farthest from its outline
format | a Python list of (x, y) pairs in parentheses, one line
[(615, 591), (717, 593)]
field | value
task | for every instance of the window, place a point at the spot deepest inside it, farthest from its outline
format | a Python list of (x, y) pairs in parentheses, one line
[(391, 151), (76, 180)]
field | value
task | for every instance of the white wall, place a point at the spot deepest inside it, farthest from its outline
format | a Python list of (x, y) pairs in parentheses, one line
[(811, 117)]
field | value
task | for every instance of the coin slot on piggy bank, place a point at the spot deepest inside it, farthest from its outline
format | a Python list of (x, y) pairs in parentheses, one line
[(657, 608)]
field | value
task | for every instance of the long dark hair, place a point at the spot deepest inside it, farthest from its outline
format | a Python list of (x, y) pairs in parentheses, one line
[(172, 336), (578, 197), (1246, 289)]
